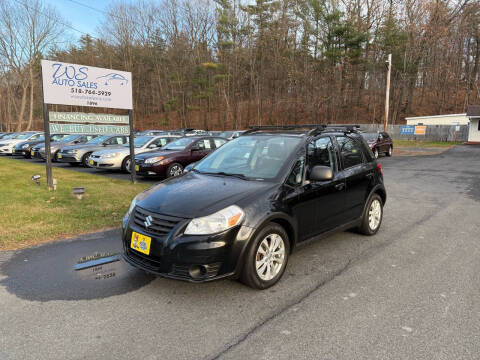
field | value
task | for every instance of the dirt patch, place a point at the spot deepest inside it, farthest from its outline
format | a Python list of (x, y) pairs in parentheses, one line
[(405, 151)]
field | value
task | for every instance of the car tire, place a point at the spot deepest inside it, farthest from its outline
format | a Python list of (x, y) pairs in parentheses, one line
[(373, 216), (375, 153), (390, 151), (126, 164), (255, 273), (174, 169), (85, 159)]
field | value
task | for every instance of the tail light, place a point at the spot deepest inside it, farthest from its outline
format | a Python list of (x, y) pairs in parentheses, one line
[(379, 167)]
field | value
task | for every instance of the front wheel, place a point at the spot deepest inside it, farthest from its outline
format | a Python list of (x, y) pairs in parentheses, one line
[(390, 150), (266, 258), (174, 169), (85, 159), (372, 218), (126, 164)]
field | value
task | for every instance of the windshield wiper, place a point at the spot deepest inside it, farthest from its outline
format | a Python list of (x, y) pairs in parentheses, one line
[(221, 173)]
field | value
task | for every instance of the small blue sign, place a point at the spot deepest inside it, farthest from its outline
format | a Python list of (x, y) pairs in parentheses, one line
[(407, 130)]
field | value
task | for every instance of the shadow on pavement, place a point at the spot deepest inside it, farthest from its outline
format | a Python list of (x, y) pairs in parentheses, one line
[(47, 272)]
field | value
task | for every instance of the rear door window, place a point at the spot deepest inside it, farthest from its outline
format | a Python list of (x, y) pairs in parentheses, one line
[(350, 152)]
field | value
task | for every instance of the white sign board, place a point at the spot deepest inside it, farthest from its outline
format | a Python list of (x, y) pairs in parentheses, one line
[(80, 85)]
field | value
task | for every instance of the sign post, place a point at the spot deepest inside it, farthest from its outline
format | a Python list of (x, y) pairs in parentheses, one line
[(80, 85)]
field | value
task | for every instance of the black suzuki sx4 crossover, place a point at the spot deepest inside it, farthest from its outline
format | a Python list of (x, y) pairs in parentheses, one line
[(240, 211)]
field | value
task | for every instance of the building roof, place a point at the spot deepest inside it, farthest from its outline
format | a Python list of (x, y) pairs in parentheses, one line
[(473, 110), (434, 116)]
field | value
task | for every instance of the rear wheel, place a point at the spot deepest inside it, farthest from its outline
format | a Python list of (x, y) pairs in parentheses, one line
[(266, 258), (174, 169), (390, 151), (85, 159), (372, 218)]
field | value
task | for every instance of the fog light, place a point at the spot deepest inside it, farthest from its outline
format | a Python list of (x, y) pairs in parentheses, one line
[(197, 271)]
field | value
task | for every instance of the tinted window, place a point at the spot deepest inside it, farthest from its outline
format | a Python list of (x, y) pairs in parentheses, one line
[(296, 176), (179, 144), (351, 151), (219, 142), (203, 144), (321, 152)]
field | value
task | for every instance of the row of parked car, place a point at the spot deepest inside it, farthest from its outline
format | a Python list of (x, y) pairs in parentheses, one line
[(157, 153)]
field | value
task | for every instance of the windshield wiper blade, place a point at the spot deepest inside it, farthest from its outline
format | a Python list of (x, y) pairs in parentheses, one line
[(221, 173)]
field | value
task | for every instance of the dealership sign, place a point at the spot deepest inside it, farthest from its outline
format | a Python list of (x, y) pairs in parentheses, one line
[(89, 129), (80, 85)]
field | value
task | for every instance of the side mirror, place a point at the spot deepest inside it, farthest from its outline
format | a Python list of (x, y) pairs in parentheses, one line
[(152, 146), (189, 167), (195, 148), (76, 141), (321, 173)]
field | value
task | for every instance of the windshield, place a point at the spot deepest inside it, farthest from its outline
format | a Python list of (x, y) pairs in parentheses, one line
[(56, 137), (24, 136), (98, 140), (258, 157), (370, 136), (226, 134), (140, 141), (69, 138), (179, 144)]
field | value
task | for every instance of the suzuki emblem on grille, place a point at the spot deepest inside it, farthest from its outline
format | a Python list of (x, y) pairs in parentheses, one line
[(148, 221)]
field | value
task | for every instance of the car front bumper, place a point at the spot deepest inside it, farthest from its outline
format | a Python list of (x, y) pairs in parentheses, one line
[(105, 163), (6, 150), (68, 158), (143, 169), (177, 255)]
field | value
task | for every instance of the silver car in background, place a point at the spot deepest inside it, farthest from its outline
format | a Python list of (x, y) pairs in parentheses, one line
[(79, 154), (7, 144), (119, 158), (38, 151)]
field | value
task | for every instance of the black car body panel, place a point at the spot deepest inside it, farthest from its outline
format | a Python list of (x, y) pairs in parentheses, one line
[(306, 209)]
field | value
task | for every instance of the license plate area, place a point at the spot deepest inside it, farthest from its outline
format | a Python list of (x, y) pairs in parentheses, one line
[(141, 243)]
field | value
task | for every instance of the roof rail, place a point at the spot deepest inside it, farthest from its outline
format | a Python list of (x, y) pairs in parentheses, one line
[(315, 129)]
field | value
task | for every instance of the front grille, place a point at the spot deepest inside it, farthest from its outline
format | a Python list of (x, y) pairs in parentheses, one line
[(161, 224)]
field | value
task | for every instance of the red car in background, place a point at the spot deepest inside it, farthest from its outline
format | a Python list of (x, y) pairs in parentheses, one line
[(172, 159), (379, 143)]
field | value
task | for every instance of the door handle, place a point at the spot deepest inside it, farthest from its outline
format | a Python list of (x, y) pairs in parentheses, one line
[(340, 186)]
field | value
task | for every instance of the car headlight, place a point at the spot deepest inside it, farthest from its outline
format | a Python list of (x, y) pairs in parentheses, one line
[(109, 155), (217, 222), (153, 160)]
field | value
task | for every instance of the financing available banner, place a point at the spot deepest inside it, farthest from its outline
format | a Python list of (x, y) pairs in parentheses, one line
[(80, 85), (78, 117)]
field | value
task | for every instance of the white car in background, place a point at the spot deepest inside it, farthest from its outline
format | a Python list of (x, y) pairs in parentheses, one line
[(119, 158), (7, 145)]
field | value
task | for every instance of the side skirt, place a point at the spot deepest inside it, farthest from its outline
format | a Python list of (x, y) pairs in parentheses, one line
[(349, 225)]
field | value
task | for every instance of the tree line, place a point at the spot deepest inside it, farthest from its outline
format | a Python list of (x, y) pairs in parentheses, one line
[(235, 63)]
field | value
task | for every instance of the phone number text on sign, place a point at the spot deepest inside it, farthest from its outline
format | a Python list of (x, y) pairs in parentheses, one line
[(80, 85)]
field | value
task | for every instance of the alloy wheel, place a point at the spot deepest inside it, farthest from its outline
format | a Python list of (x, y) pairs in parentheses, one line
[(175, 170), (270, 257), (374, 214)]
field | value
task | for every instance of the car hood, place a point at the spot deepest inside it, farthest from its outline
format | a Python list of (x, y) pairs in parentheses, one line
[(11, 142), (195, 195)]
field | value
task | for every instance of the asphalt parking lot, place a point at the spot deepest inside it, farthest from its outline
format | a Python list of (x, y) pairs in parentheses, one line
[(410, 292)]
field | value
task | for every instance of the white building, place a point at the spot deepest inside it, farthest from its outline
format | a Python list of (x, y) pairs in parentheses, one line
[(451, 119), (473, 113)]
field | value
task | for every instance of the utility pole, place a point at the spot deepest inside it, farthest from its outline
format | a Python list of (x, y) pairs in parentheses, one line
[(387, 95)]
